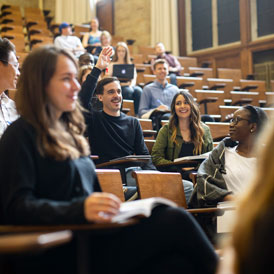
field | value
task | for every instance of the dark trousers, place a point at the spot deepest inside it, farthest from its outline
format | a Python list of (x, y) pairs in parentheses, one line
[(170, 241)]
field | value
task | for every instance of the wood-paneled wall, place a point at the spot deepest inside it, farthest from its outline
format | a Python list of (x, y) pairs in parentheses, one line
[(238, 55)]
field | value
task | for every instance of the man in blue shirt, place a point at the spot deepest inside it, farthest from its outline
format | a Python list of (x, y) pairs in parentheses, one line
[(159, 94)]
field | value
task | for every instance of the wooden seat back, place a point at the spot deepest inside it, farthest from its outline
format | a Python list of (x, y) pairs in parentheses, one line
[(218, 130), (244, 98), (147, 127), (190, 83), (161, 184), (187, 62), (212, 99), (207, 72), (228, 73), (110, 181), (149, 143), (130, 105)]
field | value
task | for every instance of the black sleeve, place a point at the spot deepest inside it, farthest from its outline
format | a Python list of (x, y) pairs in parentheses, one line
[(20, 201), (88, 88)]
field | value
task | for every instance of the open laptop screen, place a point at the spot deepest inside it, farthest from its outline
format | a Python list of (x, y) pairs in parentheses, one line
[(123, 71)]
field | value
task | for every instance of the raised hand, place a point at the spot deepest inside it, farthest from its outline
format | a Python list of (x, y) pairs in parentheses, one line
[(104, 58)]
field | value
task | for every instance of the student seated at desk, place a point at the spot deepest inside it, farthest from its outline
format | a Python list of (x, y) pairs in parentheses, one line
[(184, 135), (48, 178), (227, 171), (251, 246), (129, 89)]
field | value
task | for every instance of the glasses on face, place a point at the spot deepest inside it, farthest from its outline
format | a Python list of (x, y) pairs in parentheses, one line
[(14, 64), (237, 119)]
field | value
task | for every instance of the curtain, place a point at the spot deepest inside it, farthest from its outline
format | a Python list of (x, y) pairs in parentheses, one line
[(164, 24), (75, 11)]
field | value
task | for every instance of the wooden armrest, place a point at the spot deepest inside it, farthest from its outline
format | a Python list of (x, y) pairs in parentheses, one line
[(208, 100), (187, 84), (149, 132), (197, 74), (249, 87), (49, 228), (196, 211), (33, 241), (243, 101), (140, 70), (217, 86)]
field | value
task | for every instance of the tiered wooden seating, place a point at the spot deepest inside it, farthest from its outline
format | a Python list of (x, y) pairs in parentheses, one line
[(11, 28), (227, 73), (141, 70), (269, 98), (146, 50), (254, 85), (218, 130), (129, 104), (226, 85), (200, 72), (137, 58), (149, 143), (79, 30), (147, 128), (187, 62), (161, 184), (244, 98), (190, 83), (110, 181), (209, 100)]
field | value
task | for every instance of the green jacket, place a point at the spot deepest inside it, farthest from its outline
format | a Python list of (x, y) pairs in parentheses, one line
[(162, 152)]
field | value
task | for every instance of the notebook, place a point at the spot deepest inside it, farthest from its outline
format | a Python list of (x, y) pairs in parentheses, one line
[(123, 71)]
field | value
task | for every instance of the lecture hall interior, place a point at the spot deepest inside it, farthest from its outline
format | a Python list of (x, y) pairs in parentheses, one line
[(225, 53)]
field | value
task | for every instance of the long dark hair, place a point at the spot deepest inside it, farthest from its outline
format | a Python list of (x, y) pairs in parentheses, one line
[(196, 129), (59, 139)]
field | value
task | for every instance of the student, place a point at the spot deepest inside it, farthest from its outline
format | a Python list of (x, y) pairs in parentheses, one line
[(251, 246), (129, 89), (9, 73), (174, 66), (111, 133), (226, 172), (47, 177), (159, 94), (91, 39), (184, 135), (67, 41)]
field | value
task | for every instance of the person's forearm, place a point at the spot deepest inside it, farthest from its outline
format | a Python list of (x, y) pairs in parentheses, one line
[(88, 87)]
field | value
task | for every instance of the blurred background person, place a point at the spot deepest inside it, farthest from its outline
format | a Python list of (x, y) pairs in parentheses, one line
[(129, 89)]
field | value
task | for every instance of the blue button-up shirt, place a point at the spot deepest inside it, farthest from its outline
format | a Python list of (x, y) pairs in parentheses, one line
[(155, 94)]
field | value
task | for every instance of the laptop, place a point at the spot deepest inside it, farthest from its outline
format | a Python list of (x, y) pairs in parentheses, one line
[(123, 71)]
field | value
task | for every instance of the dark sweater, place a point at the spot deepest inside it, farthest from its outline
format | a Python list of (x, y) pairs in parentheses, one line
[(109, 136), (41, 190)]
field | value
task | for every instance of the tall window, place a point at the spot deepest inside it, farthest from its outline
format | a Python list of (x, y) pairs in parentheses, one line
[(265, 17), (201, 11), (228, 21), (211, 23)]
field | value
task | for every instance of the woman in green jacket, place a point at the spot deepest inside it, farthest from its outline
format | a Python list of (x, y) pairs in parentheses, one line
[(184, 135)]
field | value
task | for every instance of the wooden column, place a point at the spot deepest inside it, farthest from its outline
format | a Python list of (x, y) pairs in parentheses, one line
[(182, 27)]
